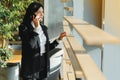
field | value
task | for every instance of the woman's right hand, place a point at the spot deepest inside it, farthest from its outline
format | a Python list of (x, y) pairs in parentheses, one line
[(36, 21)]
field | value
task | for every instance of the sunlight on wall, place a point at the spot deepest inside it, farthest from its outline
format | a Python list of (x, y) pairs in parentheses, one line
[(112, 17), (112, 52)]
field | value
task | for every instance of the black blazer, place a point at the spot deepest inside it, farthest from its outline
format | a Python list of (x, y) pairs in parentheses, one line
[(31, 50)]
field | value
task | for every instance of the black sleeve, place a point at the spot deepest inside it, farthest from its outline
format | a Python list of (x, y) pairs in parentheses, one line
[(27, 36), (53, 45)]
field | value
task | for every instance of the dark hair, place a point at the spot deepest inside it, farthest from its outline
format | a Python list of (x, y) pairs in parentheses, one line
[(32, 8)]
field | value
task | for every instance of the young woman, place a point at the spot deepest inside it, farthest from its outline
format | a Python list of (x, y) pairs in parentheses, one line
[(35, 63)]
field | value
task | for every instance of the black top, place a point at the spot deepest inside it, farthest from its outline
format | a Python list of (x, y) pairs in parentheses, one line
[(31, 51)]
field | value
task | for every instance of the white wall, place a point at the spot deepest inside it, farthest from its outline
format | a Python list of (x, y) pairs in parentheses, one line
[(68, 4), (53, 18), (46, 12), (78, 9)]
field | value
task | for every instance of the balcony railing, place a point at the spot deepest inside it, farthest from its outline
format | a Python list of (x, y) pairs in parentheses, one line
[(77, 63)]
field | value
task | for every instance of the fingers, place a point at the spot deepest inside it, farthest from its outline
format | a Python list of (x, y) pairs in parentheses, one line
[(34, 18), (35, 21), (62, 35)]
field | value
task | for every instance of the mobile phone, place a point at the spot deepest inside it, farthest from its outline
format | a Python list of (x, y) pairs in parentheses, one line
[(37, 17), (34, 15)]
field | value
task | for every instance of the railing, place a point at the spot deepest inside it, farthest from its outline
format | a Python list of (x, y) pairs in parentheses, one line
[(91, 34), (77, 63)]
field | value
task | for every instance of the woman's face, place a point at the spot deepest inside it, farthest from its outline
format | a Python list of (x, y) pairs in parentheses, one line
[(39, 14)]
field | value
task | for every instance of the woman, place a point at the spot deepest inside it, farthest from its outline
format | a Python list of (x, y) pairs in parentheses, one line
[(35, 44)]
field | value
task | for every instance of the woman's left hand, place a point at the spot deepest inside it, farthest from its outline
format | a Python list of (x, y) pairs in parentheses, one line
[(62, 35)]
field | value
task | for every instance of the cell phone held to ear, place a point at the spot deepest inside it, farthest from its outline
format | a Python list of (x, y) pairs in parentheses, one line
[(36, 16)]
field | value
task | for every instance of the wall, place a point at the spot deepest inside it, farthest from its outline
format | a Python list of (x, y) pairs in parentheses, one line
[(78, 6), (112, 52), (89, 10), (53, 17), (112, 16), (68, 4)]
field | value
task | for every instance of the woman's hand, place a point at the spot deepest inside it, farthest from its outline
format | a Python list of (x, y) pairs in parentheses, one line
[(62, 35), (36, 21)]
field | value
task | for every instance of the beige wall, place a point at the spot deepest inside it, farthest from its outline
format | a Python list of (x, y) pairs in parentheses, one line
[(112, 16), (112, 51), (88, 10), (92, 11)]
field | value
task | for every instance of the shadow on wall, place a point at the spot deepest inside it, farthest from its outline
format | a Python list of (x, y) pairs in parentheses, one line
[(93, 12)]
